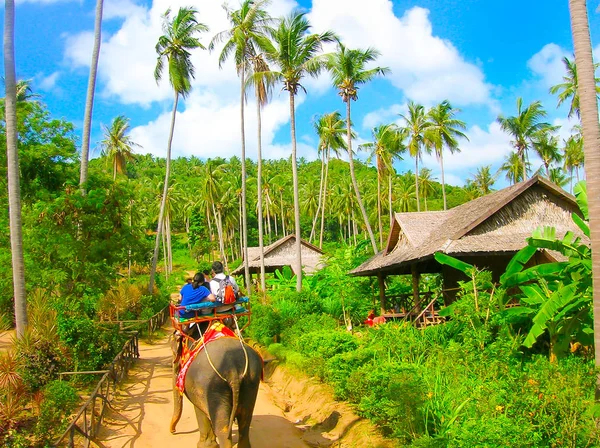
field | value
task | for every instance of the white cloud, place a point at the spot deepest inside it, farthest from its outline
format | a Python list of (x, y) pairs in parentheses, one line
[(547, 64), (428, 68), (207, 127), (566, 127), (49, 82), (120, 9), (385, 115), (128, 57), (484, 147)]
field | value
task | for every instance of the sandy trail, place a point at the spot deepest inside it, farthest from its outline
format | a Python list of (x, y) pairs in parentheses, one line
[(143, 409)]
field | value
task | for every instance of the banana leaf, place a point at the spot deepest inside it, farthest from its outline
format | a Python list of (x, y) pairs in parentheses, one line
[(533, 295), (442, 258), (582, 199), (447, 310), (533, 273), (559, 299), (581, 224), (517, 311), (517, 262)]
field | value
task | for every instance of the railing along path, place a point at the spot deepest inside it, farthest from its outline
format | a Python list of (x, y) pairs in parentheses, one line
[(86, 424)]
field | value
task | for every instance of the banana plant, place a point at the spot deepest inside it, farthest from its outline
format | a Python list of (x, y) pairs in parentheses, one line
[(557, 296)]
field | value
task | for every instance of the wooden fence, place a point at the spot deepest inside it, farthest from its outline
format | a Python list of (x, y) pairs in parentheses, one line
[(87, 422)]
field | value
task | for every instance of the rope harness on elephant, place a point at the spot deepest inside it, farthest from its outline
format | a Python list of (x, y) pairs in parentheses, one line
[(191, 347)]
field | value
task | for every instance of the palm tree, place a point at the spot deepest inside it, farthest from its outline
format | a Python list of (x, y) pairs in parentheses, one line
[(445, 130), (591, 137), (385, 148), (483, 180), (573, 156), (405, 192), (244, 39), (14, 195), (418, 130), (329, 128), (425, 184), (513, 167), (568, 88), (89, 102), (523, 127), (173, 48), (348, 72), (558, 176), (262, 89), (295, 52), (117, 145), (546, 146)]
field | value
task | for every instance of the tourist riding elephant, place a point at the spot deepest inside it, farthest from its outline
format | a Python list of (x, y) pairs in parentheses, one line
[(222, 383)]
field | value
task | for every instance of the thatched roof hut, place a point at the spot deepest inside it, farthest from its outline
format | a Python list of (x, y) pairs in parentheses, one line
[(283, 253), (486, 231)]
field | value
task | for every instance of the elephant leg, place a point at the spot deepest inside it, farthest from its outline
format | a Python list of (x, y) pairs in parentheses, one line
[(220, 412), (245, 410), (244, 418), (207, 437)]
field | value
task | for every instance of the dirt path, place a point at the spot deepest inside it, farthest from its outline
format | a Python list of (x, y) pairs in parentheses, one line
[(144, 406)]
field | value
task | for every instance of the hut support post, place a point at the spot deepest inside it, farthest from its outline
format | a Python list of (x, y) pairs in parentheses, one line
[(415, 285), (381, 280)]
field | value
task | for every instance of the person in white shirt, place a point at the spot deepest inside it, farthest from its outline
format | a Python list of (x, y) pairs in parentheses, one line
[(218, 277)]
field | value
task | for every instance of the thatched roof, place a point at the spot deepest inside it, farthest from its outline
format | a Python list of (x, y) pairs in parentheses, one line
[(283, 253), (498, 223)]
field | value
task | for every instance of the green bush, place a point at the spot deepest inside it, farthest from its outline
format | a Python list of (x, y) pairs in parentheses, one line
[(60, 399)]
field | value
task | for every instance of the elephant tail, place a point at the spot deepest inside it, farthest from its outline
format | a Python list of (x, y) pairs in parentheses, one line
[(235, 395)]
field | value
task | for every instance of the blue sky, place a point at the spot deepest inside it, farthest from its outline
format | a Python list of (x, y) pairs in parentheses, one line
[(480, 55)]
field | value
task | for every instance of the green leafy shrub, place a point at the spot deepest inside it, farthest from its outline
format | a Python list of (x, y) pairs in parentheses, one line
[(60, 400)]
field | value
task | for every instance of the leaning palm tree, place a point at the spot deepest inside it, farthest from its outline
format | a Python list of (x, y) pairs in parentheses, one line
[(348, 71), (591, 138), (567, 90), (89, 102), (173, 49), (445, 131), (523, 127), (117, 145), (295, 52), (418, 128), (249, 24), (14, 195), (330, 129), (385, 148)]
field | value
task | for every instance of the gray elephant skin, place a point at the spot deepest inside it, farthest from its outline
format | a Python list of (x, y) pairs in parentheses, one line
[(219, 401)]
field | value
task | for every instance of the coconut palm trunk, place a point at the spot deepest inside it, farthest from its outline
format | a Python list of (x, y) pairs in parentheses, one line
[(591, 143), (379, 212), (260, 197), (244, 212), (296, 195), (163, 202), (417, 182), (324, 202), (443, 178), (354, 182), (12, 155), (89, 102), (316, 217), (390, 203)]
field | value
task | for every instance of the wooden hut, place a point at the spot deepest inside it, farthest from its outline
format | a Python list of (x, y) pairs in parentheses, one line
[(486, 232), (283, 253)]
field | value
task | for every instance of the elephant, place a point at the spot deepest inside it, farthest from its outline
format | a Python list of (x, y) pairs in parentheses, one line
[(222, 387)]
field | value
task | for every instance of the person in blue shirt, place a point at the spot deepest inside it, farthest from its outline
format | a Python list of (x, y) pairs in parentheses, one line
[(195, 292)]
